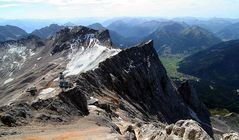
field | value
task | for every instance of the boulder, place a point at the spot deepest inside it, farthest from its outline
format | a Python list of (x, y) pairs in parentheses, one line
[(181, 130), (230, 136)]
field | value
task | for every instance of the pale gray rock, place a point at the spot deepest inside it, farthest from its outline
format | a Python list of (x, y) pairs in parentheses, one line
[(181, 130), (230, 136)]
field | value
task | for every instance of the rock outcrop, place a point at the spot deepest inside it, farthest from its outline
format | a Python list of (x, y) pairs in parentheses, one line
[(181, 130), (61, 108), (230, 136)]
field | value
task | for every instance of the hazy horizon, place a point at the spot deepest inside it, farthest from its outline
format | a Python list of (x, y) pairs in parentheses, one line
[(123, 17), (31, 24), (70, 9)]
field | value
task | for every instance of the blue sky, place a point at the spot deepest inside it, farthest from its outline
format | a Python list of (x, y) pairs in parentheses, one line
[(48, 9)]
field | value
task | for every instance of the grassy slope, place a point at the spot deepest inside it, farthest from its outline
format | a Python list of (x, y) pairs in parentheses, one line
[(217, 98), (170, 62)]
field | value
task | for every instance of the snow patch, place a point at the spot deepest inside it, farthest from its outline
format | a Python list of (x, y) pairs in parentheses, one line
[(10, 74), (148, 62), (94, 98), (17, 54), (16, 49), (4, 57), (88, 58), (31, 53), (8, 81), (48, 90), (92, 106), (35, 65), (39, 58), (44, 93)]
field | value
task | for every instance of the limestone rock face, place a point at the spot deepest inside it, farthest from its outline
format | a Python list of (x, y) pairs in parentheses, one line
[(181, 130), (187, 130), (230, 136)]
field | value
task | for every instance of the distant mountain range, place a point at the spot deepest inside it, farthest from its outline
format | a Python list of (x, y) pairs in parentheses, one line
[(169, 37), (96, 26), (213, 25), (117, 39), (48, 31), (179, 38), (9, 32), (134, 29), (230, 32)]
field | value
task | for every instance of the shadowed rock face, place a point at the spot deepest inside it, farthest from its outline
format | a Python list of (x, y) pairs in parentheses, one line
[(191, 99), (137, 76)]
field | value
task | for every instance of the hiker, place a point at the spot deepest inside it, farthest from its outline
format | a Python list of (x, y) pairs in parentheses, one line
[(61, 76), (62, 81)]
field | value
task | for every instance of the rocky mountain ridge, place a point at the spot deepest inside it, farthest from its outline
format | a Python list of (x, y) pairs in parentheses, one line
[(48, 31), (178, 39), (230, 32), (111, 87), (10, 32)]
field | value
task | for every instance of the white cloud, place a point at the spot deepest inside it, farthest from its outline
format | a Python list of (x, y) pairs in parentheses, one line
[(165, 8), (11, 5), (60, 2), (76, 2), (21, 1)]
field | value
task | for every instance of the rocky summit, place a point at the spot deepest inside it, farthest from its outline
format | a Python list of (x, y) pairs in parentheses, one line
[(110, 94)]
